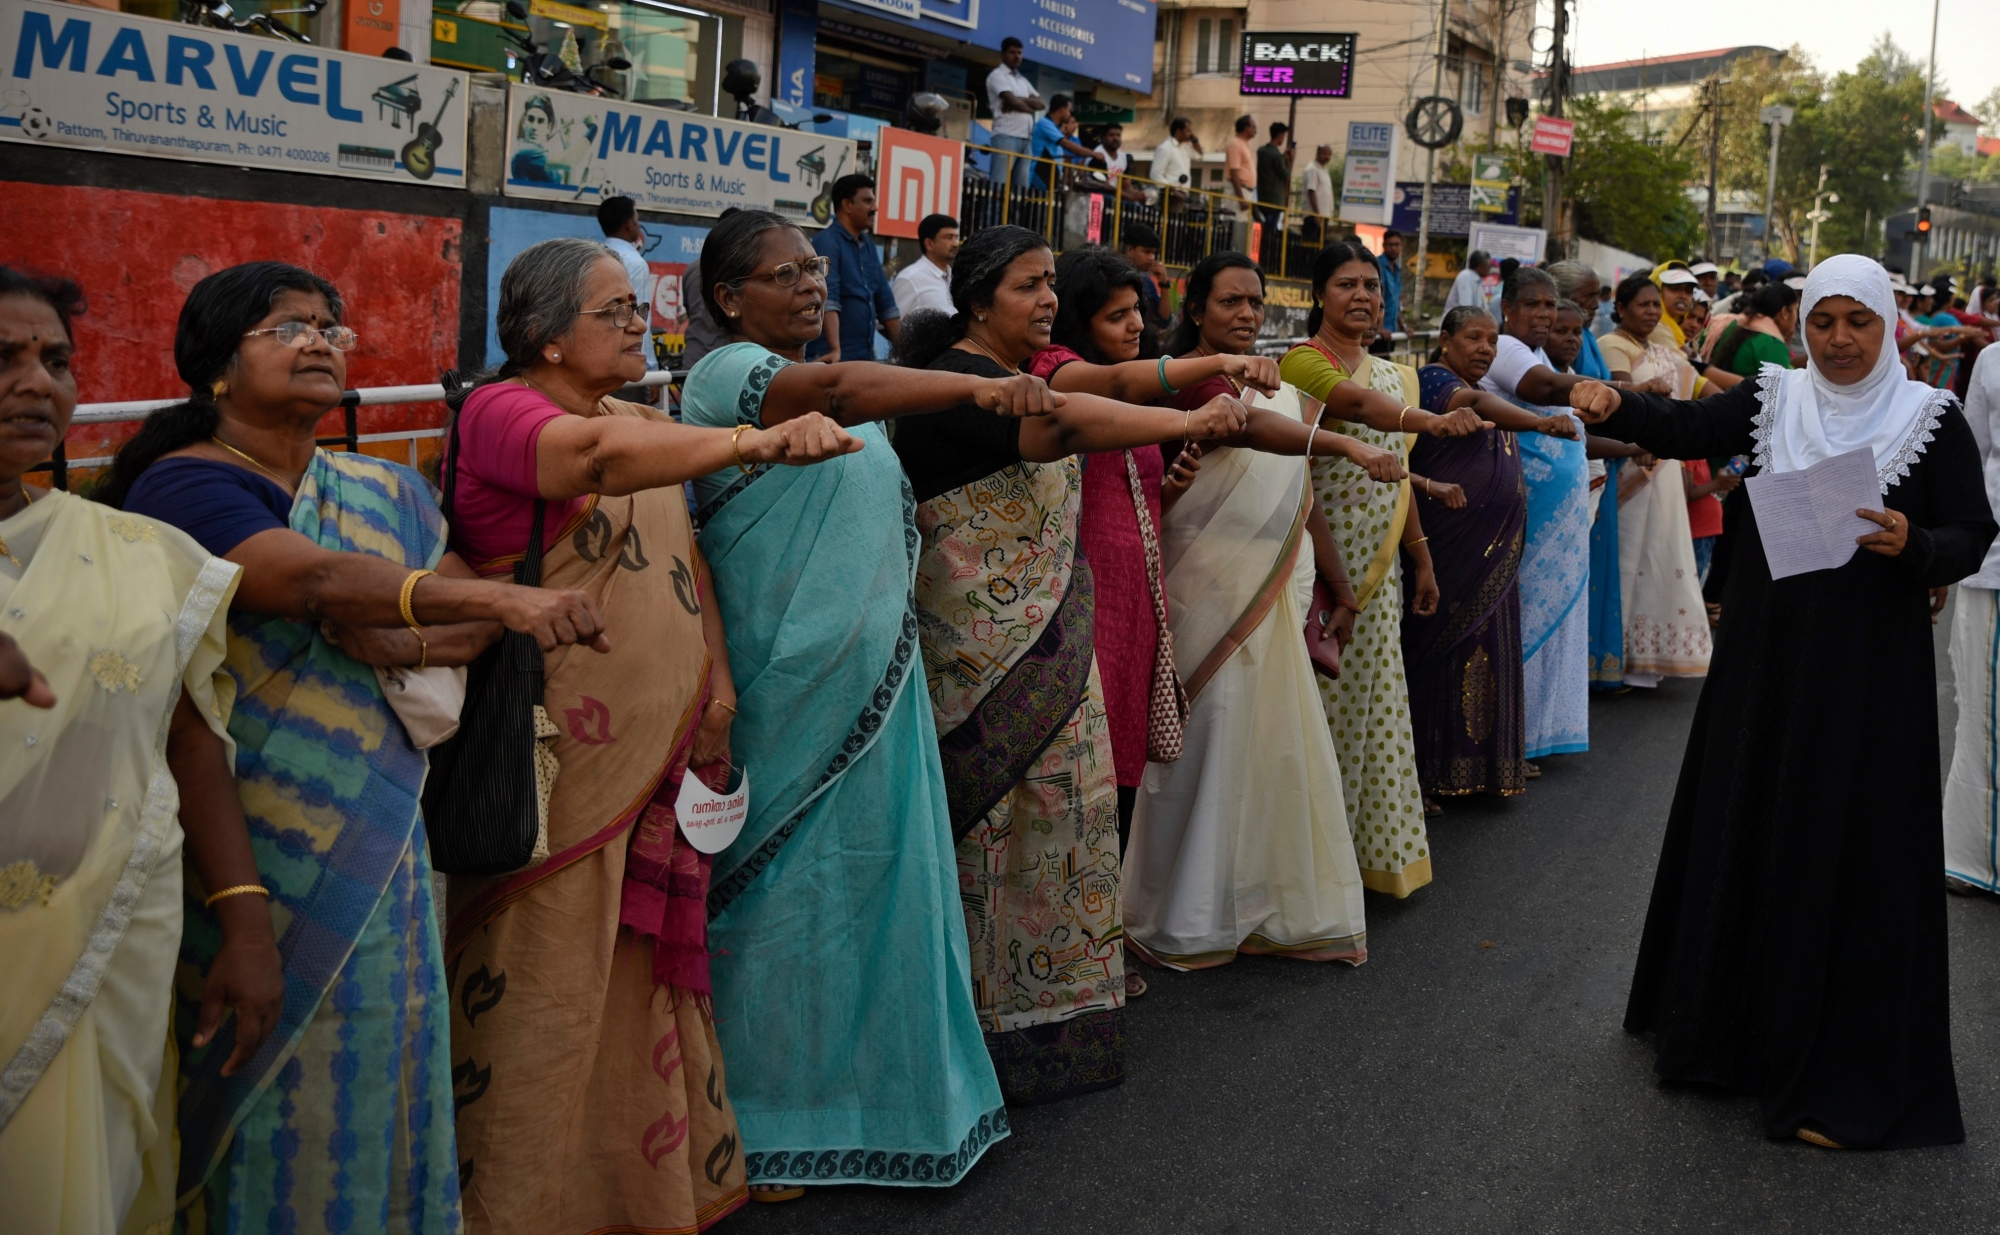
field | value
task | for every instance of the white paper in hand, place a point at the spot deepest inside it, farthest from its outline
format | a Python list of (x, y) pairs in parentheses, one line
[(711, 820), (1807, 519)]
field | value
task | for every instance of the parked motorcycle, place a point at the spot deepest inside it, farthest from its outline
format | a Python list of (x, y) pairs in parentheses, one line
[(543, 68)]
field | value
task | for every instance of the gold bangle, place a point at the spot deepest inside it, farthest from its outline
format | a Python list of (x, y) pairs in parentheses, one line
[(1187, 418), (1401, 416), (719, 703), (736, 445), (1412, 543), (409, 593), (1427, 485), (423, 652), (240, 889)]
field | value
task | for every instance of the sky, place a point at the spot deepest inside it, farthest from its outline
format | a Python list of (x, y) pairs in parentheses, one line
[(1835, 33)]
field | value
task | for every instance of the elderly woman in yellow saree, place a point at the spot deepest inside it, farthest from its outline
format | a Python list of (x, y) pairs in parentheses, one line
[(113, 752)]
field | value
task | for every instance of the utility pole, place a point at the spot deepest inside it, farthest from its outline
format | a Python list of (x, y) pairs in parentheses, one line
[(1714, 155), (1499, 72), (1818, 216), (1431, 165), (1917, 252), (1552, 190)]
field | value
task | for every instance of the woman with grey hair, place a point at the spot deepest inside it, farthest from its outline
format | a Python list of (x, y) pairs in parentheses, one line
[(580, 996)]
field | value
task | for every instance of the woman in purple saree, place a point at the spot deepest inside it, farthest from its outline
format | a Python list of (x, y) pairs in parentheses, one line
[(1464, 660)]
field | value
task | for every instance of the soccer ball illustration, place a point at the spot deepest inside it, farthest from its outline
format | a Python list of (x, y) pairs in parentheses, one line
[(36, 123)]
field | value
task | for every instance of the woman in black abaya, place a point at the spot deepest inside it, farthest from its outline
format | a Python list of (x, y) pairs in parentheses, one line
[(1795, 947)]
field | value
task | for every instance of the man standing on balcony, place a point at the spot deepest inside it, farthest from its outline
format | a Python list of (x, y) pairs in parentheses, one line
[(1239, 166), (926, 282), (857, 292), (1051, 142), (1274, 192), (1112, 153), (1320, 201), (1014, 102)]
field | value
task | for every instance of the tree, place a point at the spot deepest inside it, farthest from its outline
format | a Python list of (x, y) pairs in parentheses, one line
[(1627, 191)]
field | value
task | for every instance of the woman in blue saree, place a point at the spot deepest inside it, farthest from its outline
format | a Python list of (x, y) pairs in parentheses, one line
[(342, 1119), (841, 969)]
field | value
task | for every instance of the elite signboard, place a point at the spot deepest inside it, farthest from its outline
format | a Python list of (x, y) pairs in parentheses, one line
[(1309, 64), (567, 147), (87, 78)]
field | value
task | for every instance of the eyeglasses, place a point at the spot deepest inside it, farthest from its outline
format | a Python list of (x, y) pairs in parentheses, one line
[(298, 334), (621, 314), (788, 274)]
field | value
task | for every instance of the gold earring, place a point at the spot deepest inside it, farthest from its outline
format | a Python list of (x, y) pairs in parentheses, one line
[(218, 388)]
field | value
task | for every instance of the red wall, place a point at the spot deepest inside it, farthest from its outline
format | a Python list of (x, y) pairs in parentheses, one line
[(137, 254)]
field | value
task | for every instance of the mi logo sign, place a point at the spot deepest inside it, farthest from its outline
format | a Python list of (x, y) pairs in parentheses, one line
[(917, 176)]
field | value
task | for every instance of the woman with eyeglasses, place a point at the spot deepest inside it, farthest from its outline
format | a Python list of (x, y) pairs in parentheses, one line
[(591, 1092), (836, 913), (343, 568)]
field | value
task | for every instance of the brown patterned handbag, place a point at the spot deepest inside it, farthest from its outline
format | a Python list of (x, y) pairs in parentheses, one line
[(1166, 712)]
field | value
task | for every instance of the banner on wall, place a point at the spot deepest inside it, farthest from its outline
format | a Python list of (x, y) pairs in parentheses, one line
[(670, 250), (90, 79), (566, 147), (917, 176)]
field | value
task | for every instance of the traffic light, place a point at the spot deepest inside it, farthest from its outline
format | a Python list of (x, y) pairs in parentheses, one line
[(1923, 233)]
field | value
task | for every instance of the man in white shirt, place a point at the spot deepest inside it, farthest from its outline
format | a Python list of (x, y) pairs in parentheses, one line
[(618, 219), (1171, 164), (1468, 286), (1014, 103), (1320, 203), (1112, 153), (926, 282)]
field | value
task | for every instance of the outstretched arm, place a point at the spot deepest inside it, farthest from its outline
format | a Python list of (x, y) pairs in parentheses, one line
[(1087, 424), (1138, 381), (860, 391), (1670, 428)]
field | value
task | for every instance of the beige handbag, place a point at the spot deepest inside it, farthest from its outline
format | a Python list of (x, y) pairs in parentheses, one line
[(428, 703)]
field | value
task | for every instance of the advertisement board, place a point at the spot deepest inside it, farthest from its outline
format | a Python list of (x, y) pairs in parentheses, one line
[(568, 147), (916, 176), (1451, 212), (90, 79), (1526, 245), (1309, 64), (1489, 183), (1369, 174), (1110, 40)]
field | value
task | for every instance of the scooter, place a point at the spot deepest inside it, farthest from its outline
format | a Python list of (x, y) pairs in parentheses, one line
[(217, 15)]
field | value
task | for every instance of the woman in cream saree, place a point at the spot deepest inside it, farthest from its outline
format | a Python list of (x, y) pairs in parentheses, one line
[(1241, 845), (121, 615)]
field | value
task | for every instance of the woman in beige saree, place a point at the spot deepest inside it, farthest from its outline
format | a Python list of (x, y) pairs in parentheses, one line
[(589, 1083)]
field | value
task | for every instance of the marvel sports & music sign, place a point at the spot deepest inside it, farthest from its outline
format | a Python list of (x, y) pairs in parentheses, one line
[(88, 78), (1311, 64)]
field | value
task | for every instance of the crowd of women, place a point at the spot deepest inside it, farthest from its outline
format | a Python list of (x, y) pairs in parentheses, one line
[(1116, 653)]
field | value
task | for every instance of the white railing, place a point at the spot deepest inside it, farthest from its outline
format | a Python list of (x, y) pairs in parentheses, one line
[(368, 396)]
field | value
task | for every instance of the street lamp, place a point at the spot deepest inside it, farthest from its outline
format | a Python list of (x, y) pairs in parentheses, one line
[(1818, 216), (1777, 116)]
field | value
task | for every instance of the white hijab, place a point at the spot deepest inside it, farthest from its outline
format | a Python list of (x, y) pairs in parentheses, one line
[(1807, 418)]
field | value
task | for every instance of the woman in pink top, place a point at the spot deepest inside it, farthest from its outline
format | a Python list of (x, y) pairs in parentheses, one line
[(580, 1022)]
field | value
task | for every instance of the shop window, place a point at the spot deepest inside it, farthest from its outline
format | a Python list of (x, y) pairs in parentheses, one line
[(674, 51), (321, 28), (865, 85)]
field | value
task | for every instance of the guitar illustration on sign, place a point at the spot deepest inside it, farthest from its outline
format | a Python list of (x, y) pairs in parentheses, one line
[(420, 155), (822, 206)]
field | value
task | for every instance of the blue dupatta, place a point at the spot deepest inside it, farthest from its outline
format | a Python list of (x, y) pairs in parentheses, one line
[(1607, 609), (1555, 568), (834, 918), (330, 787)]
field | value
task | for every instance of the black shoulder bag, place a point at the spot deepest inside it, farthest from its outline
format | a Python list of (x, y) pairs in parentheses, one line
[(486, 801)]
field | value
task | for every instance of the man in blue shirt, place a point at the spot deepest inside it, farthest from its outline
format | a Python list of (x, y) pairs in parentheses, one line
[(1050, 142), (1391, 264), (858, 296)]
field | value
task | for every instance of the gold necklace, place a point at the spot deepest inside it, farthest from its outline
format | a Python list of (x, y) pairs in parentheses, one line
[(991, 354), (27, 500), (287, 485)]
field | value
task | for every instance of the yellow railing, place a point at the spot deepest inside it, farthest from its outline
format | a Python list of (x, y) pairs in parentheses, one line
[(1192, 222)]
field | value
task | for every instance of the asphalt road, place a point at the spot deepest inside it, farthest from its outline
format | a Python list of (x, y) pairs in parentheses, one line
[(1472, 1076)]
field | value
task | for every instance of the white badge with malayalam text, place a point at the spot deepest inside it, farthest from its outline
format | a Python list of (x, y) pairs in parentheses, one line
[(711, 820)]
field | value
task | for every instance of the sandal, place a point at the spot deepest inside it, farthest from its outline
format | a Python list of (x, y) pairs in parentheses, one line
[(1534, 773), (1818, 1138), (1135, 984), (1431, 806), (772, 1194)]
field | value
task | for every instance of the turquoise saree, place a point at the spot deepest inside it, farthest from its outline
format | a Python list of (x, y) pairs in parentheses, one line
[(842, 989)]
